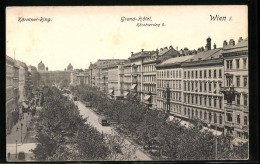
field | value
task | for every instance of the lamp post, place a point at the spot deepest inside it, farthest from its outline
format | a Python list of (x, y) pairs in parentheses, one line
[(16, 149), (21, 132)]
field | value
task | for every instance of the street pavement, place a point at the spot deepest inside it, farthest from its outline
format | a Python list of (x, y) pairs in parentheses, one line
[(93, 120), (27, 143)]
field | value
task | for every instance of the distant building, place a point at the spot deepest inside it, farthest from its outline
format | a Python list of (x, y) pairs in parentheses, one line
[(22, 69), (70, 68), (41, 66)]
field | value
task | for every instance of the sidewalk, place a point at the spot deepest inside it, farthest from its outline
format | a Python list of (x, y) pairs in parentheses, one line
[(20, 133)]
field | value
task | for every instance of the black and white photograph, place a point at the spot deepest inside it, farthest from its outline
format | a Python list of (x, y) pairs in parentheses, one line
[(127, 83)]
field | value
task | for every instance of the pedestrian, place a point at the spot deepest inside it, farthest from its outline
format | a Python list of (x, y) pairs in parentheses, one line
[(9, 155)]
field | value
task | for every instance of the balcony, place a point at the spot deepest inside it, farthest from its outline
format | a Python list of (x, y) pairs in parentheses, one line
[(230, 124)]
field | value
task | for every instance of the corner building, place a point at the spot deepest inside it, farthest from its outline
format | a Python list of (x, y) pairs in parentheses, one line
[(236, 89)]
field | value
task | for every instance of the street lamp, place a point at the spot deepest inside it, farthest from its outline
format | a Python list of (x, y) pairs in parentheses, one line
[(21, 132)]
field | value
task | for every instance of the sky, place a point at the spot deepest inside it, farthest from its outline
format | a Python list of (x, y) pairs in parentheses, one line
[(80, 35)]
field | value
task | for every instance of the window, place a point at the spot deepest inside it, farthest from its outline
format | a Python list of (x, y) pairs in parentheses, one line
[(185, 112), (188, 111), (220, 119), (238, 81), (200, 87), (192, 75), (244, 63), (238, 99), (188, 74), (196, 74), (245, 120), (220, 103), (210, 116), (196, 113), (209, 87), (205, 87), (200, 73), (237, 61), (205, 115), (196, 99), (229, 80), (192, 98), (209, 101), (192, 113), (245, 81), (238, 119), (200, 100), (209, 73), (229, 64), (205, 73), (215, 103), (245, 99), (205, 101), (229, 117), (215, 73), (192, 86), (220, 73), (239, 134), (215, 118), (200, 114), (245, 135)]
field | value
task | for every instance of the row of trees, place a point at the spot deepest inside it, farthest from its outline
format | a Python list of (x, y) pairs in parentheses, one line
[(150, 129), (62, 134)]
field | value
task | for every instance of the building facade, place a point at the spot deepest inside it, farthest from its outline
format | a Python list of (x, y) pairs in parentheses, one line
[(10, 106), (236, 88)]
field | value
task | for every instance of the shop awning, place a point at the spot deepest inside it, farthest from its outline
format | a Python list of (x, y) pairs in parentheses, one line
[(111, 91), (25, 105), (126, 93), (238, 141), (214, 132), (133, 86), (147, 97), (134, 94)]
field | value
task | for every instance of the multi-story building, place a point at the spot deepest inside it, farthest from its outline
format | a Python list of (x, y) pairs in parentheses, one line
[(16, 88), (115, 81), (22, 69), (9, 94), (236, 88), (96, 75), (127, 79), (149, 93), (202, 82), (143, 73), (170, 85)]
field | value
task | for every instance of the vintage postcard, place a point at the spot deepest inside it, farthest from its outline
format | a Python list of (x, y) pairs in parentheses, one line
[(127, 83)]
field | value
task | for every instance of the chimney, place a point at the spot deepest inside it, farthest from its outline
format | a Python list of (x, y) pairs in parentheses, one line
[(132, 53), (215, 46), (208, 45), (166, 48), (142, 50), (199, 49), (232, 42), (240, 39), (186, 49), (224, 43), (170, 47), (177, 48), (46, 68), (202, 48), (157, 51), (206, 48), (161, 49)]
